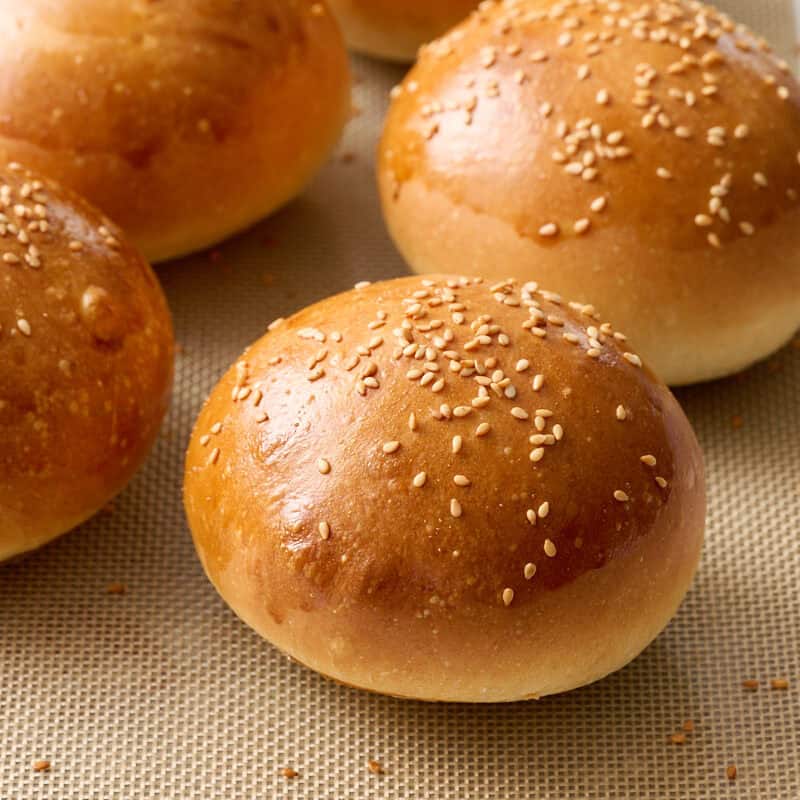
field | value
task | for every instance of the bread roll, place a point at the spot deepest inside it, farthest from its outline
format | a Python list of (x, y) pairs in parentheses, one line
[(184, 121), (447, 490), (85, 360), (642, 157), (394, 29)]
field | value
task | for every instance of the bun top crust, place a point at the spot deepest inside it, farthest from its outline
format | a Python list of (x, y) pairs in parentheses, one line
[(563, 118), (140, 106), (436, 438), (85, 360)]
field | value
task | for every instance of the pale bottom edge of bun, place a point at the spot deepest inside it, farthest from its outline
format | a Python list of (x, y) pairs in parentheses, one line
[(597, 624), (461, 240)]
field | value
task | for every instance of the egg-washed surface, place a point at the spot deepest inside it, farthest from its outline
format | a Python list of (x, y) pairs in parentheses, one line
[(162, 692)]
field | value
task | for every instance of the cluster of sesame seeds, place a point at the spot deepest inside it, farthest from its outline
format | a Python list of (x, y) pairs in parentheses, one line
[(434, 334), (676, 100)]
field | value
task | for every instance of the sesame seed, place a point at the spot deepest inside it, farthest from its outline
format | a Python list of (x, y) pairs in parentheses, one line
[(391, 447), (549, 229), (549, 548), (662, 482), (747, 228), (324, 530), (519, 413), (455, 508), (323, 465), (482, 429), (412, 421), (714, 240), (531, 515), (558, 432), (633, 359), (760, 179), (703, 220), (581, 226), (537, 454), (538, 382), (419, 479), (461, 480), (544, 510), (529, 571), (462, 411), (599, 204), (457, 443), (11, 258), (522, 365), (508, 597), (213, 456), (621, 496), (779, 684), (24, 327), (649, 460)]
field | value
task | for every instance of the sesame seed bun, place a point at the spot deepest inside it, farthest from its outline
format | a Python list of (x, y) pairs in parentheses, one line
[(447, 490), (645, 161), (85, 360), (395, 29), (183, 121)]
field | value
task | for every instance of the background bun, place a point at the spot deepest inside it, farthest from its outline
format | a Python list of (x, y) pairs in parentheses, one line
[(394, 29), (447, 490), (184, 121), (85, 360), (642, 157)]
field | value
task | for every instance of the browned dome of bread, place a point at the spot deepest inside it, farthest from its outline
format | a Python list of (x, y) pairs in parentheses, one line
[(644, 157), (85, 360), (184, 121), (394, 29), (447, 490)]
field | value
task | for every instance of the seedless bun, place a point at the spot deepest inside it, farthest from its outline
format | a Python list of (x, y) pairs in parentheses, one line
[(85, 360), (395, 29), (184, 121), (642, 157), (447, 490)]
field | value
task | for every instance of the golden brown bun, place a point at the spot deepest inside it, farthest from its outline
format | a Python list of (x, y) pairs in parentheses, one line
[(395, 29), (309, 523), (184, 121), (85, 360), (522, 118)]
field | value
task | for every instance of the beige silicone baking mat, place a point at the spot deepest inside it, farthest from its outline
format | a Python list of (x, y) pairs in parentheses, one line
[(162, 693)]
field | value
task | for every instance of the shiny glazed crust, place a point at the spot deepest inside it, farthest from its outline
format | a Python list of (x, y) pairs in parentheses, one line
[(184, 121), (395, 29), (649, 165), (85, 360), (447, 490)]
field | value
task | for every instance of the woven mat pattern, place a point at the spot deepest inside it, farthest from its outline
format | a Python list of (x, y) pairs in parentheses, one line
[(161, 693)]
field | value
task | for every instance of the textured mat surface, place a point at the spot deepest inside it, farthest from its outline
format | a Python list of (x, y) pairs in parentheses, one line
[(161, 693)]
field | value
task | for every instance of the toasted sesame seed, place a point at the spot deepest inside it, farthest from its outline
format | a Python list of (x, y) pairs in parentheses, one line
[(455, 508), (747, 228), (213, 456), (714, 240), (457, 444), (412, 421), (391, 447), (461, 480), (549, 548), (462, 411), (538, 382), (760, 179), (519, 413), (558, 432), (581, 226), (482, 429), (324, 530), (648, 460), (731, 772), (599, 204), (323, 465), (531, 515), (678, 738), (537, 454), (522, 365), (24, 327), (508, 596), (633, 359), (750, 684), (779, 684), (621, 496), (419, 479), (703, 220), (529, 571)]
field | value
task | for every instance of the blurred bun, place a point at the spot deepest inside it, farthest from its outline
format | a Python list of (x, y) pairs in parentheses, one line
[(183, 121), (85, 360), (642, 157), (447, 490), (395, 29)]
